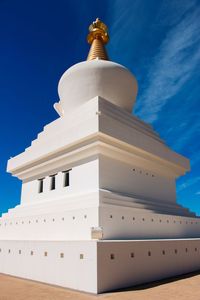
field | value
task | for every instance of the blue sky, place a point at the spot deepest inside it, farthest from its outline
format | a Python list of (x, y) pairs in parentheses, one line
[(157, 40)]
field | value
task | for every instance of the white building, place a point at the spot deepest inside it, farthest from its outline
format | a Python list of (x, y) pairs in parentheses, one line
[(98, 206)]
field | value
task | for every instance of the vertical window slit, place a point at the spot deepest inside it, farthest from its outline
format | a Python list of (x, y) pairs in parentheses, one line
[(41, 185), (66, 181), (53, 182)]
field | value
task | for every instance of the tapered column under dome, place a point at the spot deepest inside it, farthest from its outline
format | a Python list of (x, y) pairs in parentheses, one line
[(97, 37)]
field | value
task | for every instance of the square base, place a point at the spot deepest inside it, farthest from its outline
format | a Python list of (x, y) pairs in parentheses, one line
[(99, 266)]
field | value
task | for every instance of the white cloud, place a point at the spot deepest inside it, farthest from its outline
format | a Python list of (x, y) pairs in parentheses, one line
[(188, 183), (178, 56), (192, 131)]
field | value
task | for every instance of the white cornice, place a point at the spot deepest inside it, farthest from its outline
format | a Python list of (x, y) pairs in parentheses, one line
[(94, 145)]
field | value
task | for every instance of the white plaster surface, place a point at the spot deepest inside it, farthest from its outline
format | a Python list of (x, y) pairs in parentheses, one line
[(84, 178), (149, 262), (67, 271), (88, 79), (125, 179), (98, 124), (99, 266)]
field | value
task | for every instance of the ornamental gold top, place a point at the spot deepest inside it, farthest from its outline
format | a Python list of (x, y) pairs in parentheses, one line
[(98, 30), (98, 37)]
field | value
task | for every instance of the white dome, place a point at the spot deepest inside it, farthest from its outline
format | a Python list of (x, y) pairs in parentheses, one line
[(89, 79)]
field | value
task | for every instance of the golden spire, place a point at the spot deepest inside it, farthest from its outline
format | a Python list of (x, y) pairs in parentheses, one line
[(97, 37)]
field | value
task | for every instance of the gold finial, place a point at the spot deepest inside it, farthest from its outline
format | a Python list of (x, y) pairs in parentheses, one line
[(97, 37), (98, 30)]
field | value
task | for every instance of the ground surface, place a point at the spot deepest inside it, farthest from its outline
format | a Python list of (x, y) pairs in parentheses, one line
[(182, 288)]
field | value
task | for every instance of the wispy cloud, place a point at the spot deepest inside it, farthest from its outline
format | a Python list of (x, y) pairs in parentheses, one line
[(188, 183), (190, 133), (177, 58)]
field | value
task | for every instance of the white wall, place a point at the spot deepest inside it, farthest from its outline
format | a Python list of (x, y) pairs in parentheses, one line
[(66, 213), (83, 178), (99, 266), (138, 262), (69, 271), (120, 222), (120, 177), (117, 123), (74, 224)]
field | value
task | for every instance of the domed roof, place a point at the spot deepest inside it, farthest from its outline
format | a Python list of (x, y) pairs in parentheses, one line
[(97, 77)]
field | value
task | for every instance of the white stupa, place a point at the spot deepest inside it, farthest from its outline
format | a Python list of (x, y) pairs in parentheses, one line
[(98, 205)]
